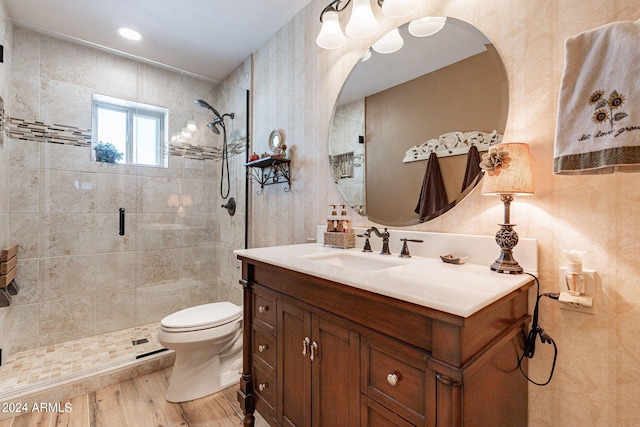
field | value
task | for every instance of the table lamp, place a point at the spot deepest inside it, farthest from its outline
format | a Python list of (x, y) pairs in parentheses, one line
[(507, 170)]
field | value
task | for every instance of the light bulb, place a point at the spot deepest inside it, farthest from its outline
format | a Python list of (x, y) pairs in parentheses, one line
[(330, 36), (362, 23)]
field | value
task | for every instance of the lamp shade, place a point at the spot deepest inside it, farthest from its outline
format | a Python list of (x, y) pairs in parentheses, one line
[(389, 43), (331, 36), (427, 26), (507, 170), (362, 22)]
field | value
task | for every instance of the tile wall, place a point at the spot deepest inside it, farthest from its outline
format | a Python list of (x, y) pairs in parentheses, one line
[(77, 276)]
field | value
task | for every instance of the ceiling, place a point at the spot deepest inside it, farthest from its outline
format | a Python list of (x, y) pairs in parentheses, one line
[(209, 38)]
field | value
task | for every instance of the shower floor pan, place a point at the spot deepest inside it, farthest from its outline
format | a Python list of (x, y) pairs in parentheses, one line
[(59, 372)]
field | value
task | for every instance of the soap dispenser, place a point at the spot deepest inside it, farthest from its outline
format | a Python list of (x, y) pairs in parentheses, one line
[(574, 277), (345, 220), (332, 220)]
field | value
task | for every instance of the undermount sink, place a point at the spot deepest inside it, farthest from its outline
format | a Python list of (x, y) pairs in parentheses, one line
[(364, 262)]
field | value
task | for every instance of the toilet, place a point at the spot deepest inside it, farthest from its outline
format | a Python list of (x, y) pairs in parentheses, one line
[(207, 340)]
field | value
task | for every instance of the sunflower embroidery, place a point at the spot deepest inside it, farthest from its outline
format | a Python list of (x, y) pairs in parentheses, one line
[(604, 108), (494, 161)]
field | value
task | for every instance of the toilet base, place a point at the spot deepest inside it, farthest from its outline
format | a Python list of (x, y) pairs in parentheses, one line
[(186, 383)]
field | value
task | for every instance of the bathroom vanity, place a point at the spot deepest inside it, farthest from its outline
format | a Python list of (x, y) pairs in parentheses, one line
[(336, 337)]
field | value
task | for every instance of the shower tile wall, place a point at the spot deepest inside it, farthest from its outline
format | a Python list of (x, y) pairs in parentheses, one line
[(78, 277)]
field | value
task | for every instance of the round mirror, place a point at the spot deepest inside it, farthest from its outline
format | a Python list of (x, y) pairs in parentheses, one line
[(444, 91)]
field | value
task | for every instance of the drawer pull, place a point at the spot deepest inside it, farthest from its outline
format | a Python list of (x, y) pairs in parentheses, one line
[(393, 379), (263, 308), (262, 386), (262, 347), (314, 349)]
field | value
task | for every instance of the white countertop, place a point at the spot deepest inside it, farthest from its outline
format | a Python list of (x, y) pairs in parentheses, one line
[(461, 290)]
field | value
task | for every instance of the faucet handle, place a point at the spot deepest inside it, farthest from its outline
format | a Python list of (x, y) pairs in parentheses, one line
[(367, 245), (404, 253)]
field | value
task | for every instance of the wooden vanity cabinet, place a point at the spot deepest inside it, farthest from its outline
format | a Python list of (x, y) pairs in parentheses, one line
[(325, 354)]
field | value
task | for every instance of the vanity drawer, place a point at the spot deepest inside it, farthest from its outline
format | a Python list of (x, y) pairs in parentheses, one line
[(264, 309), (395, 378), (264, 389), (264, 349)]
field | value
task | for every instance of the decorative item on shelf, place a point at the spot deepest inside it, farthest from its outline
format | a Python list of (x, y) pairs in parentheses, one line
[(507, 170), (362, 22), (276, 140), (107, 152), (253, 157)]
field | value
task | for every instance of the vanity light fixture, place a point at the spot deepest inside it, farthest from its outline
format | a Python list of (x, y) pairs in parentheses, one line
[(427, 26), (362, 22), (389, 43), (129, 33), (507, 170)]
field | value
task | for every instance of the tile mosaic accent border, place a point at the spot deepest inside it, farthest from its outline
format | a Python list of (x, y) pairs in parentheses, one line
[(201, 152), (69, 135), (40, 132)]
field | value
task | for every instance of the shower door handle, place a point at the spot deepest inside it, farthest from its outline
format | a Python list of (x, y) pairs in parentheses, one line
[(122, 221)]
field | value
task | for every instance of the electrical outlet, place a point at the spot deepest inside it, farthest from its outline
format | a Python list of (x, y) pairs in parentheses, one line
[(583, 303)]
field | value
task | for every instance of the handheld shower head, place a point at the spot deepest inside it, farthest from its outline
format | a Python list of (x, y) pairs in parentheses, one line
[(215, 125), (205, 104)]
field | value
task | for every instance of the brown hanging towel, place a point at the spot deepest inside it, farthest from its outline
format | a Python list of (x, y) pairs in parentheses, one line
[(472, 173), (433, 199)]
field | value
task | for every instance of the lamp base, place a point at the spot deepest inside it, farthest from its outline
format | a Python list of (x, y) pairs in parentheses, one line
[(507, 239)]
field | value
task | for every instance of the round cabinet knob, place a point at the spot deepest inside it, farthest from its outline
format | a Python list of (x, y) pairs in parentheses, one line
[(262, 386), (262, 347), (392, 379), (263, 308)]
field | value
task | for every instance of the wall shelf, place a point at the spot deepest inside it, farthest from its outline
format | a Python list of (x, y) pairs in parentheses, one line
[(270, 170)]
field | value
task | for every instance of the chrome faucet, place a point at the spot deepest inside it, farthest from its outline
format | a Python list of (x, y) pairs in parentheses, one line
[(385, 240)]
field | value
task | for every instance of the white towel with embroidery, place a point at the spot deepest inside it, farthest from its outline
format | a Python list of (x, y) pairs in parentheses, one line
[(598, 126)]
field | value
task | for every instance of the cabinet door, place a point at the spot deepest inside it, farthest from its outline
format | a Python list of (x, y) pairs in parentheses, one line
[(294, 367), (335, 374)]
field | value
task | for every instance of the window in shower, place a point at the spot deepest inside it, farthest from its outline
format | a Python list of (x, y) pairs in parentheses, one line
[(138, 131)]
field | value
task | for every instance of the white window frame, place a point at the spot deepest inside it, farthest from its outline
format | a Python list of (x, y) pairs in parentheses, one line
[(133, 110)]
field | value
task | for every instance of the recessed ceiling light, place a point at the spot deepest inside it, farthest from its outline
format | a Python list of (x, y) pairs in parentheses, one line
[(129, 33)]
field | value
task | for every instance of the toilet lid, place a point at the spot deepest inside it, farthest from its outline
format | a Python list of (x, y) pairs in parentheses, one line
[(202, 317)]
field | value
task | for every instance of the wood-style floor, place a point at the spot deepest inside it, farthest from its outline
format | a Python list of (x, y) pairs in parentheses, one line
[(138, 402)]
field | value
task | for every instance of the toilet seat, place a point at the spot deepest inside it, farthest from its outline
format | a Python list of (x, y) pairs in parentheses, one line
[(201, 317)]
